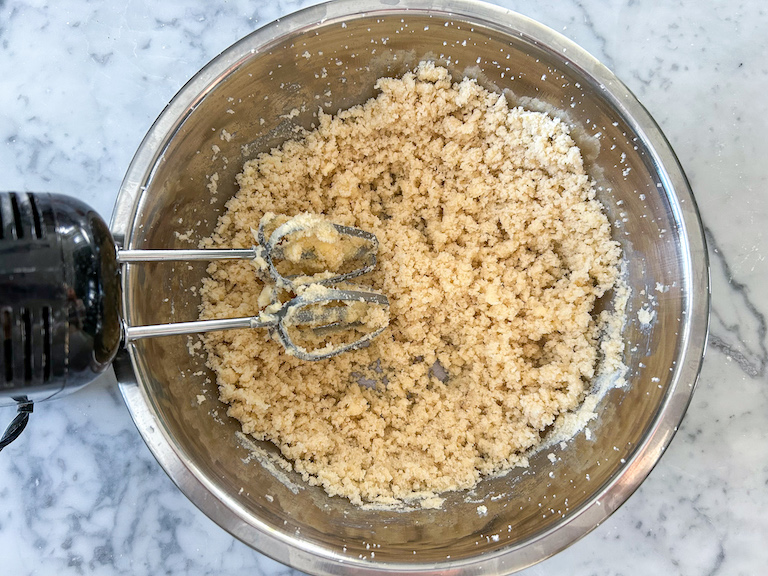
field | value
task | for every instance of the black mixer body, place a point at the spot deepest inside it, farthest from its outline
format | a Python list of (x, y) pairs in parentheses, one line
[(59, 296)]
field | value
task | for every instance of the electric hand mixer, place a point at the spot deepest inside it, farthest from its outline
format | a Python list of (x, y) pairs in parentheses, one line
[(60, 298)]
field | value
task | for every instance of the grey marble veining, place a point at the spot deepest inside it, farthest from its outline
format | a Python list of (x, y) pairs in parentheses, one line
[(82, 81)]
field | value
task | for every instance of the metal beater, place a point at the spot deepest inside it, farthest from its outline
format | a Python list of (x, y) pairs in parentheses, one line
[(60, 296)]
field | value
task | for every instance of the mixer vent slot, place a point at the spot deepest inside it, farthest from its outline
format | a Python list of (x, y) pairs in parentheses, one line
[(17, 217), (37, 226), (7, 345), (21, 216), (26, 338), (19, 339), (47, 317)]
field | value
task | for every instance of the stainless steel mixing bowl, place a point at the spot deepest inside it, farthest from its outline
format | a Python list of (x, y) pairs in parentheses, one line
[(329, 56)]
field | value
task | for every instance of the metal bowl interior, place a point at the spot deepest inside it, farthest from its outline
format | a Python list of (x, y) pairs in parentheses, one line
[(329, 57)]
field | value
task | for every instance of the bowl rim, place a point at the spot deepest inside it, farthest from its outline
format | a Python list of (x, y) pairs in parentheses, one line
[(313, 558)]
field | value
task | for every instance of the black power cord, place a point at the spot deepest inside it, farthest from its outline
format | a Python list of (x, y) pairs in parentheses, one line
[(16, 427)]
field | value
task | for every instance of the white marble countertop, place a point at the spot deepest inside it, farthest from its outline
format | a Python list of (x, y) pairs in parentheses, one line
[(83, 80)]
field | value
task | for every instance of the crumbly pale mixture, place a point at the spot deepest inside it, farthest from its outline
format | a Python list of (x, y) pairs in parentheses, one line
[(492, 252)]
